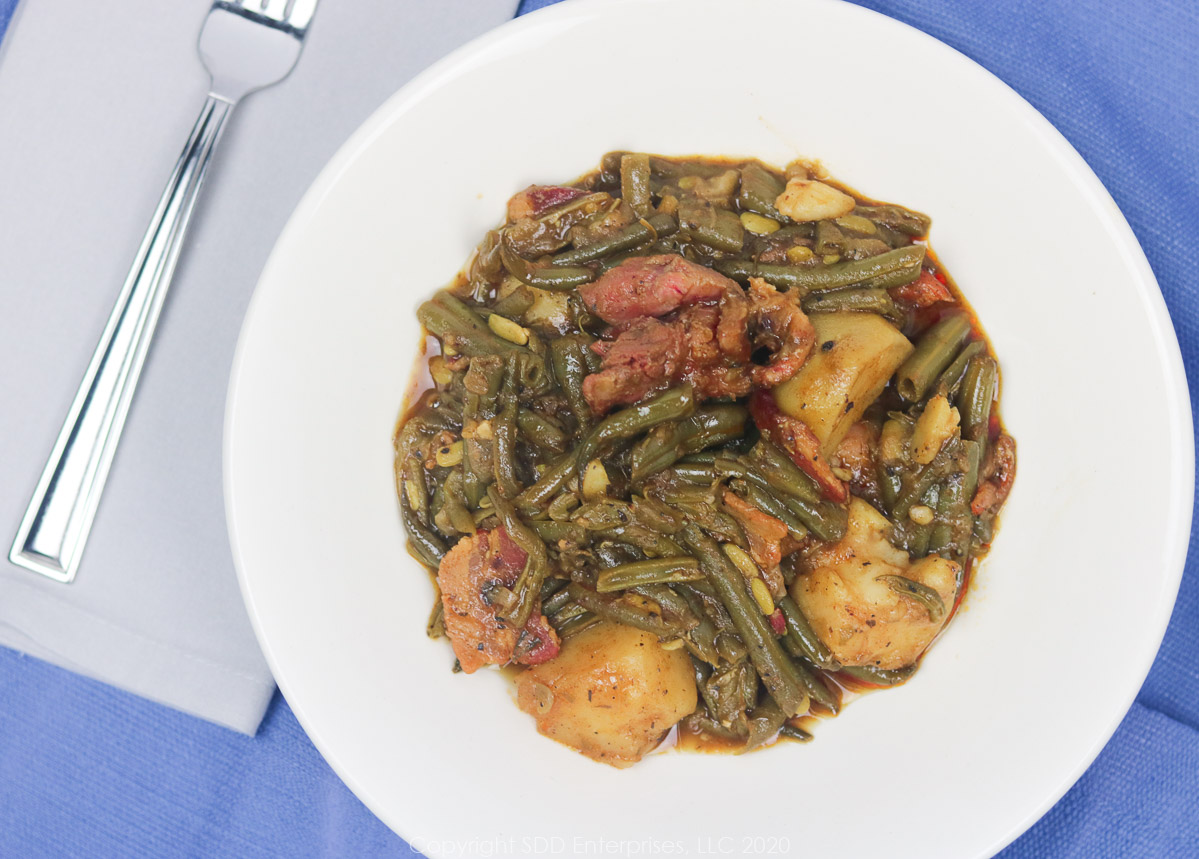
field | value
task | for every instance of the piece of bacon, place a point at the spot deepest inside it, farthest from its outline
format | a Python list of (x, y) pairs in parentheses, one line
[(796, 439), (764, 533), (536, 200), (781, 325), (479, 636), (998, 473), (924, 291)]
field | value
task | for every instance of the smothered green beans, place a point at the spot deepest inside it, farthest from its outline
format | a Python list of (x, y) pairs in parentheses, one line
[(706, 444)]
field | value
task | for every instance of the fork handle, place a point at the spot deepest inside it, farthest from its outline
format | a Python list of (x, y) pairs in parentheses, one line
[(54, 530)]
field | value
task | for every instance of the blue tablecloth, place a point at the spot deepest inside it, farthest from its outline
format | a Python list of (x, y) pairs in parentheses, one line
[(87, 770)]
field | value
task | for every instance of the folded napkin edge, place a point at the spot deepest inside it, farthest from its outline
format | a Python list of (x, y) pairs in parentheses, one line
[(130, 660)]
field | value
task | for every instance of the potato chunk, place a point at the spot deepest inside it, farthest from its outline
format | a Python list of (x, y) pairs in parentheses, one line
[(612, 693), (854, 357), (809, 200), (857, 616)]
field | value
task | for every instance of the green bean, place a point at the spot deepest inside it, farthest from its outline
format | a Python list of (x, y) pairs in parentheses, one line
[(951, 535), (654, 571), (653, 543), (759, 189), (950, 381), (724, 527), (569, 361), (611, 553), (634, 182), (454, 505), (701, 640), (503, 429), (564, 613), (609, 172), (890, 481), (656, 515), (710, 604), (725, 465), (477, 470), (915, 485), (825, 519), (879, 676), (551, 531), (667, 443), (665, 168), (730, 647), (706, 724), (445, 415), (415, 486), (915, 536), (576, 625), (557, 601), (622, 612), (515, 303), (428, 548), (862, 248), (672, 404), (486, 265), (553, 479), (893, 268), (771, 506), (781, 472), (829, 239), (933, 353), (765, 652), (669, 601), (561, 508), (816, 688), (536, 569), (556, 277), (634, 234), (714, 226), (897, 218), (696, 473), (435, 626), (602, 515), (801, 640), (860, 299), (715, 425), (483, 379), (456, 325), (984, 528), (540, 430), (793, 732), (764, 723), (703, 673), (499, 596), (976, 397), (920, 592)]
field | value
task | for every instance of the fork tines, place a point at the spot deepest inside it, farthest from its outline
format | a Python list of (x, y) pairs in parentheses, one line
[(290, 15)]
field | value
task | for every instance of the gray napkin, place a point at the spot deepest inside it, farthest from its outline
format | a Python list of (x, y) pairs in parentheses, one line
[(96, 100)]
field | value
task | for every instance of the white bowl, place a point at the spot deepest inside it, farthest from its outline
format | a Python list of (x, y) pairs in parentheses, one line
[(1031, 680)]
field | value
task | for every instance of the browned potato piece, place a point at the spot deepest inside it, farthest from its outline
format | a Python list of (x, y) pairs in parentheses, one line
[(612, 693), (860, 619), (854, 357)]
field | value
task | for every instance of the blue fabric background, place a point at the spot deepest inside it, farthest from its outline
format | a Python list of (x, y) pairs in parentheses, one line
[(86, 770)]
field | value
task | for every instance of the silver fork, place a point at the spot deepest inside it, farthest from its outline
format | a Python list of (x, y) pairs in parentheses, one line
[(245, 45)]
